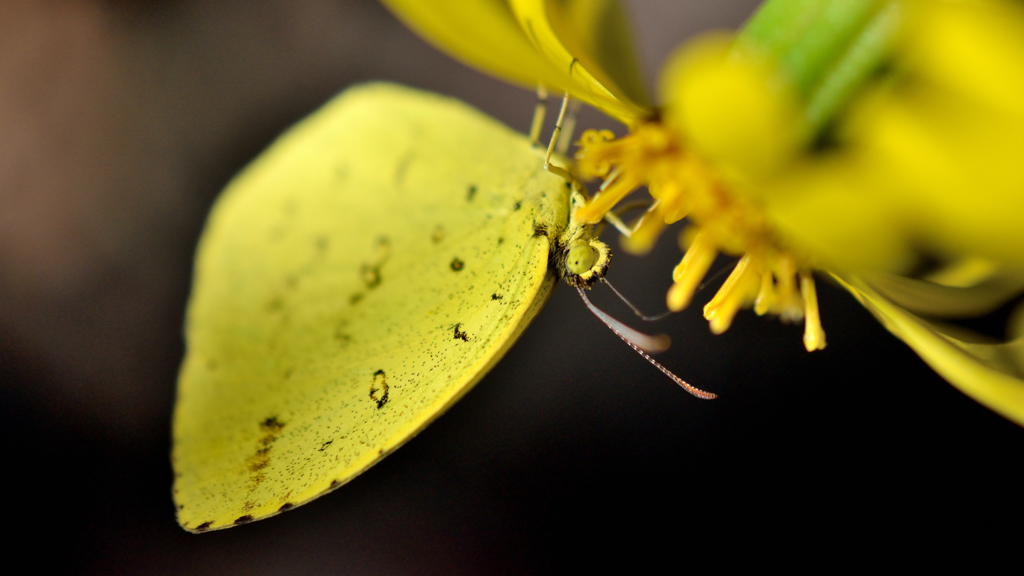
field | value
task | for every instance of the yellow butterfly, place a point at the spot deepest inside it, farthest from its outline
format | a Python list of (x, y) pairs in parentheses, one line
[(353, 283)]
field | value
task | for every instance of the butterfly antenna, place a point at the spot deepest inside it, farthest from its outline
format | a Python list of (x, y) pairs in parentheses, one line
[(636, 310), (643, 343), (718, 274)]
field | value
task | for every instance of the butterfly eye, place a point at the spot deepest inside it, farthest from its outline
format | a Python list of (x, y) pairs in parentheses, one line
[(581, 258)]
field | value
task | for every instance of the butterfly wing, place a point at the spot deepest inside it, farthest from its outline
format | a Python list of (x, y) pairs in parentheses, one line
[(352, 283)]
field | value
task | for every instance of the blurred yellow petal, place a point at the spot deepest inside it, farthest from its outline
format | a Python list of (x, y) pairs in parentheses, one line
[(830, 208), (484, 34), (925, 156), (929, 299), (733, 109), (989, 373), (591, 42), (963, 273), (973, 48), (956, 161)]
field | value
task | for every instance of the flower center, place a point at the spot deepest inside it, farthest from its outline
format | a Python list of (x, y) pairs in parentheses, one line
[(768, 276)]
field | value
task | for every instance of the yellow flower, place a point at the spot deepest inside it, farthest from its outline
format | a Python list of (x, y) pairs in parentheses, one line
[(879, 142)]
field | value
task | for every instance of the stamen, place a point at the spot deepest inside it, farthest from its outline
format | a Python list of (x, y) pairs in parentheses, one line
[(768, 277), (790, 304), (688, 274), (593, 159), (671, 195), (814, 334), (736, 291), (766, 295), (612, 177), (606, 199)]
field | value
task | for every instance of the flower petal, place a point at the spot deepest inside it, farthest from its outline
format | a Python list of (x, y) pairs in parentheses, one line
[(735, 110), (992, 374), (955, 161), (590, 41), (832, 209), (482, 33), (924, 156), (939, 301)]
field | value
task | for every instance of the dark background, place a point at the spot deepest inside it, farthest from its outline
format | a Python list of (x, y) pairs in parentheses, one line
[(119, 123)]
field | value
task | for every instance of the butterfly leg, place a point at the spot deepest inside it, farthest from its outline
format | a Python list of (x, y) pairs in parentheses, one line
[(539, 110), (554, 139), (568, 127)]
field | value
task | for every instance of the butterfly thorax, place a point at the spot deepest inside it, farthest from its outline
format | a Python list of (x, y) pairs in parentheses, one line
[(578, 256)]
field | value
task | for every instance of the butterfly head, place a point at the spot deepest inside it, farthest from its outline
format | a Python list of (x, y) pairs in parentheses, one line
[(579, 257), (583, 260)]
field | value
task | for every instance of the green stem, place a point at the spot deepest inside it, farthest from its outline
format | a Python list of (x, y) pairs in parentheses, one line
[(826, 49)]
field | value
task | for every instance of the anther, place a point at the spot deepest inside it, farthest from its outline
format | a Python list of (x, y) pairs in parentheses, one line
[(688, 274), (736, 291), (814, 334)]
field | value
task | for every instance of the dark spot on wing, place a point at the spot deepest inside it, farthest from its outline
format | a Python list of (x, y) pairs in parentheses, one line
[(272, 424), (370, 271), (501, 241), (355, 298), (438, 234), (325, 445), (457, 264), (260, 459), (403, 166), (287, 506), (470, 193), (459, 335), (334, 484), (203, 527), (243, 519), (539, 230), (517, 206), (496, 296), (276, 304), (573, 65), (371, 276), (341, 336), (379, 389)]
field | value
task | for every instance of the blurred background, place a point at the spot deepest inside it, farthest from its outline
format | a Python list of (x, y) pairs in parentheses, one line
[(120, 120)]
